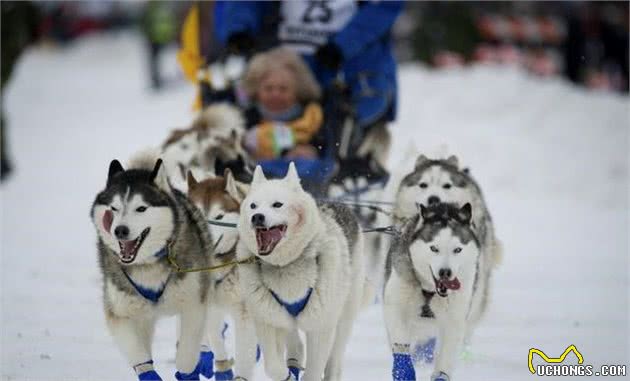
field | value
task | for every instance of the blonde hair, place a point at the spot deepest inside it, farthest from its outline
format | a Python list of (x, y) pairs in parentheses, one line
[(307, 88)]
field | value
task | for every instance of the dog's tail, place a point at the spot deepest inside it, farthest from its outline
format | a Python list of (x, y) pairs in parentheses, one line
[(144, 159)]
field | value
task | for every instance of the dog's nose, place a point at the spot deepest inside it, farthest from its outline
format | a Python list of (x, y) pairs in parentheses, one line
[(445, 273), (258, 220), (121, 232), (434, 200)]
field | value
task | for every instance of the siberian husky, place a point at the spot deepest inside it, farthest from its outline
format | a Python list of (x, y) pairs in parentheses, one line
[(141, 221), (433, 182), (219, 199), (434, 279), (212, 143), (308, 273)]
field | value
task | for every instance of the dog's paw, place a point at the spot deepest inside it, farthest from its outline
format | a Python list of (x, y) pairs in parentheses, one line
[(192, 376), (223, 370), (424, 352), (150, 375), (226, 375), (206, 364), (440, 376), (295, 371), (403, 370)]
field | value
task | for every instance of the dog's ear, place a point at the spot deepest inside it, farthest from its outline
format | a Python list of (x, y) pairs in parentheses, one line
[(190, 178), (114, 168), (159, 176), (231, 188), (259, 175), (421, 160), (464, 214), (452, 160), (292, 176)]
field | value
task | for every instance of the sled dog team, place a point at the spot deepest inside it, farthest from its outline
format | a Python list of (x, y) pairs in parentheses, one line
[(293, 274)]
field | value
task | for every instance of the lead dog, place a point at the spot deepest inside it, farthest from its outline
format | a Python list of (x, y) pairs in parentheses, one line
[(308, 274), (140, 220)]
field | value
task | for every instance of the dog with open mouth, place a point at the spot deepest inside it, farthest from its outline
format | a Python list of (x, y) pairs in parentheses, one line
[(433, 283), (308, 274), (140, 221)]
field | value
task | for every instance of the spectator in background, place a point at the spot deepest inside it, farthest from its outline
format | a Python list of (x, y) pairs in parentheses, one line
[(159, 26), (20, 21)]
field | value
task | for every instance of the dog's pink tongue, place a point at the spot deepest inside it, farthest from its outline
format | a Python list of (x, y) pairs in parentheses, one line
[(274, 235), (452, 284), (127, 247), (268, 238), (108, 217)]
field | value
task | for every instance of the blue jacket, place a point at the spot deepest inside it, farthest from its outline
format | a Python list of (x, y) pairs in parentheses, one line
[(369, 66)]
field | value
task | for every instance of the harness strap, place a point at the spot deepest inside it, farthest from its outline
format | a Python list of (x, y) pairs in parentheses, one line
[(145, 292), (295, 308)]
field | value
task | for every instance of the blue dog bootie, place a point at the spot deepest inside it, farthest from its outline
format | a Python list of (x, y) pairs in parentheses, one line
[(402, 369), (223, 370), (294, 367), (424, 352), (192, 376), (206, 362), (440, 376), (145, 372)]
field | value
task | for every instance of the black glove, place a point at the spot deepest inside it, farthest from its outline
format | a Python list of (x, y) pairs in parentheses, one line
[(329, 56), (241, 43)]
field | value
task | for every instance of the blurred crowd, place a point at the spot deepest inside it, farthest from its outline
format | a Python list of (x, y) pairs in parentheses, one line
[(585, 41)]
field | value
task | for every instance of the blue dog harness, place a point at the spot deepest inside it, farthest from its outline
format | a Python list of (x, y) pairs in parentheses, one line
[(295, 308), (148, 293)]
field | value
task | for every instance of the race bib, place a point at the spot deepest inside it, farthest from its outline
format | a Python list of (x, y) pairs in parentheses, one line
[(306, 25)]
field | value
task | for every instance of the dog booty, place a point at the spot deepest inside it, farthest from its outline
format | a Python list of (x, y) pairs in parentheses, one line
[(206, 363), (223, 371), (294, 368), (226, 375), (424, 351), (146, 372), (402, 369), (192, 376), (295, 371), (150, 375), (291, 377), (440, 376)]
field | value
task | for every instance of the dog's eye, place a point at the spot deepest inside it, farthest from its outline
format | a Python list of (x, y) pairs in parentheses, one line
[(183, 146), (447, 186), (141, 209), (423, 185), (252, 205), (114, 209), (219, 217), (434, 249), (277, 204), (457, 250)]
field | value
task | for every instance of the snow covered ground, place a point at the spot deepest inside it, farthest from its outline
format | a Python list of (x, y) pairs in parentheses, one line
[(551, 158)]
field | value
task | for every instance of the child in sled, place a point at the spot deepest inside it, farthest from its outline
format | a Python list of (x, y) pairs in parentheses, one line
[(285, 114)]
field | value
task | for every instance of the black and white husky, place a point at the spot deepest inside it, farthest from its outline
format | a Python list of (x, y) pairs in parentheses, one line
[(140, 221), (464, 244), (308, 274)]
